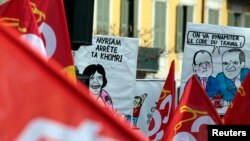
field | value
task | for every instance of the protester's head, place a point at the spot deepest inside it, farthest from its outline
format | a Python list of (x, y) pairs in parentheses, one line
[(202, 63), (233, 61), (83, 78), (97, 78)]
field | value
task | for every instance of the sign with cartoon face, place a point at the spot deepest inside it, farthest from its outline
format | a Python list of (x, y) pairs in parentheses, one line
[(145, 100), (218, 57), (109, 65)]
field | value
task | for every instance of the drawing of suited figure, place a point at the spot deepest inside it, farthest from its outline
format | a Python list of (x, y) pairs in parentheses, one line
[(203, 67), (233, 63)]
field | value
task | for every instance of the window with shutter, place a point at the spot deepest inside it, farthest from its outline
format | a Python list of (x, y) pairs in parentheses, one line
[(135, 18), (184, 15), (124, 17), (102, 20), (213, 16), (246, 19), (179, 28), (160, 24), (235, 19)]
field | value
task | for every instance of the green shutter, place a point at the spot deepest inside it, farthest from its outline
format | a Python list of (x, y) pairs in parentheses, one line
[(246, 19), (190, 11), (235, 19), (179, 29), (124, 18), (135, 18), (213, 16), (160, 24), (231, 19), (102, 16)]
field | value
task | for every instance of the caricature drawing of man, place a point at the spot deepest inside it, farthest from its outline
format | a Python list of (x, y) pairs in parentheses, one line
[(203, 67), (233, 63)]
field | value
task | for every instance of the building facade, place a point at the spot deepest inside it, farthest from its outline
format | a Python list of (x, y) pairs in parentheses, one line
[(162, 23)]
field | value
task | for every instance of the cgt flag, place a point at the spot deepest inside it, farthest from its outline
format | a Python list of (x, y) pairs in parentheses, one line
[(18, 14), (38, 103), (165, 107), (193, 113), (51, 19), (237, 112)]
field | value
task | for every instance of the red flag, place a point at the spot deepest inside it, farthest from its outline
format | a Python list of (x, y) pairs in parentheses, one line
[(237, 112), (165, 107), (38, 103), (193, 113), (50, 15), (18, 14)]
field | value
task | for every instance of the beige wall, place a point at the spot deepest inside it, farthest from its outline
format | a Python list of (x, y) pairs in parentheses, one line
[(115, 17), (146, 23), (223, 15), (198, 14), (145, 31)]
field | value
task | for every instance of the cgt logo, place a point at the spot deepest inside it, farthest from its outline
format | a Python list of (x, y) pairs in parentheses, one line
[(45, 129)]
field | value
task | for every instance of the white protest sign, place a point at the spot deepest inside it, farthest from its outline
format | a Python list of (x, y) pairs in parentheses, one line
[(117, 59), (218, 55), (149, 91)]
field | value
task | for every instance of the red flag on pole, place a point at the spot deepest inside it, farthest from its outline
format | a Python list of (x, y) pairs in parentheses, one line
[(18, 14), (193, 113), (38, 103), (237, 112), (165, 107), (50, 15)]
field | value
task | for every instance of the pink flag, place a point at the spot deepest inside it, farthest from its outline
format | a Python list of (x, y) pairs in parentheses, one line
[(193, 113), (237, 112), (38, 103), (165, 107)]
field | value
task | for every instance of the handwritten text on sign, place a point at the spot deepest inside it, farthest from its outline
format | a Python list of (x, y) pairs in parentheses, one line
[(106, 49), (215, 39)]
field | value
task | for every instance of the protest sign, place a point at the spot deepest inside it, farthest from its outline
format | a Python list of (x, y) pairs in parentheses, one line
[(149, 91), (218, 57), (114, 59)]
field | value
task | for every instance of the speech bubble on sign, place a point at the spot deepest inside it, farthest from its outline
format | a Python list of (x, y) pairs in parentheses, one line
[(215, 40)]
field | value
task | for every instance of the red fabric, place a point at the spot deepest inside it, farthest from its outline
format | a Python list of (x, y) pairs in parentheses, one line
[(165, 107), (237, 112), (193, 113), (50, 15), (18, 14), (38, 103)]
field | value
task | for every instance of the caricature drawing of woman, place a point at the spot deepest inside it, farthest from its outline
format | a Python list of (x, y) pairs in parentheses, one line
[(97, 81)]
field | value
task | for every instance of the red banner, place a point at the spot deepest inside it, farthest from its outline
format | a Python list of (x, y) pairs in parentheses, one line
[(38, 103), (50, 15), (165, 107), (18, 14), (194, 112), (237, 112)]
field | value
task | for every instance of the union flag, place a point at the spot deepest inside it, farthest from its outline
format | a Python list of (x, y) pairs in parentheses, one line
[(165, 107), (51, 19), (18, 14), (193, 113), (38, 103), (237, 112)]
